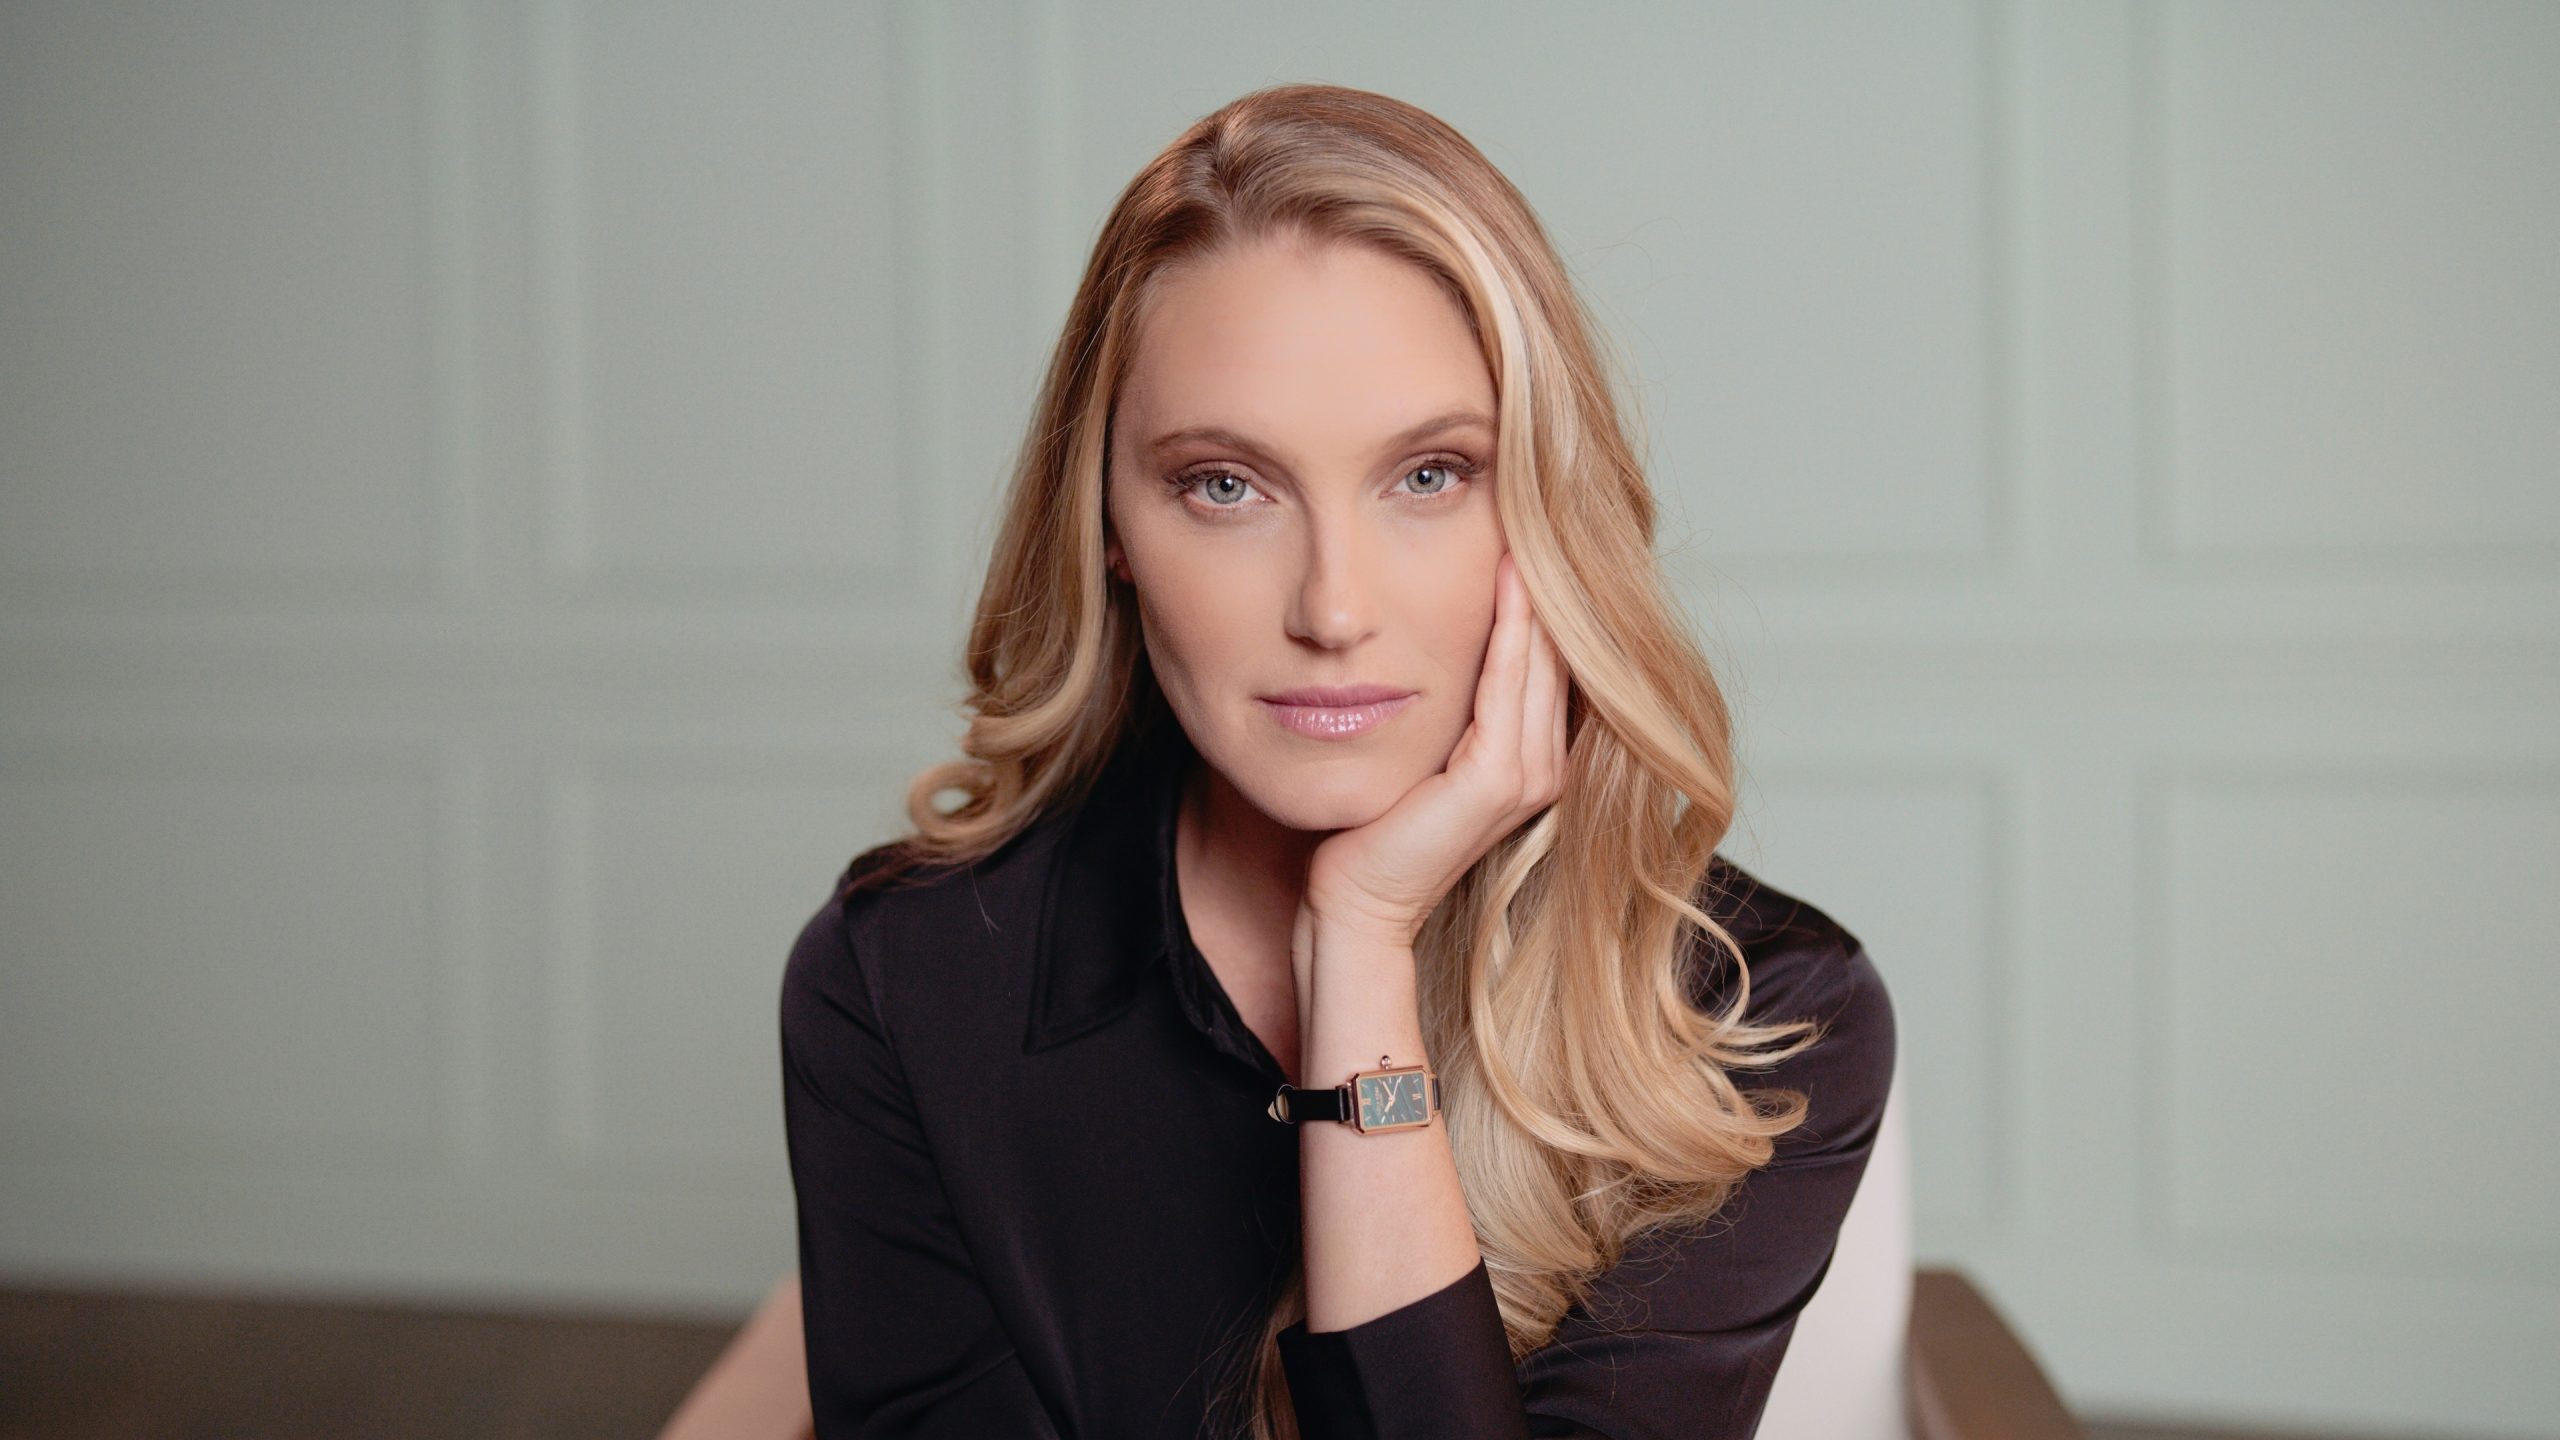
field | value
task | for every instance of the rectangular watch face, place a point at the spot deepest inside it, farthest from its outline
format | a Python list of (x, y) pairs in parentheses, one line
[(1394, 1101)]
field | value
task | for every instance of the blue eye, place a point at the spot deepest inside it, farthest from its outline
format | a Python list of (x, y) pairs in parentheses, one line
[(1448, 471), (1242, 487), (1452, 472), (1191, 481)]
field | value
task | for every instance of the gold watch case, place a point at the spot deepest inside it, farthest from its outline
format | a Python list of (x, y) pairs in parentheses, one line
[(1394, 1097)]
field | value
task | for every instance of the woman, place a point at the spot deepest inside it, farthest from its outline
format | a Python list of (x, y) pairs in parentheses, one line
[(1331, 728)]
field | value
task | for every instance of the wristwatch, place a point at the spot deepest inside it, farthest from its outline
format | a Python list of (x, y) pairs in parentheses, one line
[(1391, 1097)]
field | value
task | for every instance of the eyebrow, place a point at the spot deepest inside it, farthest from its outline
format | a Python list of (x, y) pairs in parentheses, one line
[(1220, 435)]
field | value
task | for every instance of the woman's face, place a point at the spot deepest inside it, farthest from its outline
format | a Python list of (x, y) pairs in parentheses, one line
[(1289, 496)]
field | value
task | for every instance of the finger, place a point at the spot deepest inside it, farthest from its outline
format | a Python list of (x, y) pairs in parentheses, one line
[(1489, 671), (1544, 723), (1506, 668), (1539, 711), (1559, 740)]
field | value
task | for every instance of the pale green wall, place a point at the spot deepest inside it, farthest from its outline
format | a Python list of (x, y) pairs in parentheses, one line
[(489, 494)]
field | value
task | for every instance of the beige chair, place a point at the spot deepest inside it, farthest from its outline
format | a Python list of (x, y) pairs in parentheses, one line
[(1879, 1354)]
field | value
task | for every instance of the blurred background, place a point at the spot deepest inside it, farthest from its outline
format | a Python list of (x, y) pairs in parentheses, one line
[(490, 496)]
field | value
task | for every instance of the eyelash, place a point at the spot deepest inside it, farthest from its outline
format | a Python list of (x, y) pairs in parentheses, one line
[(1466, 470)]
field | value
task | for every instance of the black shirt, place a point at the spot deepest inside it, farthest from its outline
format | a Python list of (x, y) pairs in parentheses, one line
[(1038, 1193)]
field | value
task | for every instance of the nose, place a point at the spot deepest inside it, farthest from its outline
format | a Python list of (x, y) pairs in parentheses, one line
[(1337, 603)]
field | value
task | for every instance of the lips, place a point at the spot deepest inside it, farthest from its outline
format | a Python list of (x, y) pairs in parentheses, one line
[(1336, 697), (1336, 712)]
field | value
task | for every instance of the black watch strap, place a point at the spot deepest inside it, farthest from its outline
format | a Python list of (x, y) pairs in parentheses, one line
[(1297, 1106)]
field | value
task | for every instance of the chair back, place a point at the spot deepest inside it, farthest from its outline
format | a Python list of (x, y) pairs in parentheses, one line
[(1844, 1374)]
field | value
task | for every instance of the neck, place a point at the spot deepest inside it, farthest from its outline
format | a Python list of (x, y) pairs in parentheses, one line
[(1255, 864)]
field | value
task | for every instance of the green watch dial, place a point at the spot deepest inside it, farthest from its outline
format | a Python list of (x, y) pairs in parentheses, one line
[(1390, 1100)]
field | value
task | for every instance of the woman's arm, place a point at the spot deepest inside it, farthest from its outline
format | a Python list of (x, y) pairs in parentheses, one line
[(1402, 1335), (900, 1335), (1681, 1339), (1385, 1219)]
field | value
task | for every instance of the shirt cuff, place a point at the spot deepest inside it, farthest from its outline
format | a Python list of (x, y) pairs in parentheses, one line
[(1436, 1369)]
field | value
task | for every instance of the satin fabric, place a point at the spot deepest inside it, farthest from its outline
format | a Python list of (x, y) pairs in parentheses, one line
[(1038, 1194)]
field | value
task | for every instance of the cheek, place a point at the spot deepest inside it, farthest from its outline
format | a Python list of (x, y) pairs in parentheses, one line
[(1199, 619), (1449, 613)]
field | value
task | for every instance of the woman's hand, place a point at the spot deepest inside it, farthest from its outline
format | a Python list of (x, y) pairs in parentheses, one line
[(1383, 879)]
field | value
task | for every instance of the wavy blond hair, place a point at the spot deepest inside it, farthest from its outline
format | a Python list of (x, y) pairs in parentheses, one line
[(1587, 1094)]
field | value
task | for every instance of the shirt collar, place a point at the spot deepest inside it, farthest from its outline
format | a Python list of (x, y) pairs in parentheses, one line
[(1113, 912)]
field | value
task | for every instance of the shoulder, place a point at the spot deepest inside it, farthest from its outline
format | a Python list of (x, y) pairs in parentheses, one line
[(1802, 964), (1797, 959), (885, 912)]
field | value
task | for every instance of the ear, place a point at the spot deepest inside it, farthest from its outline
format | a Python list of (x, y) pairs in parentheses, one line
[(1118, 562)]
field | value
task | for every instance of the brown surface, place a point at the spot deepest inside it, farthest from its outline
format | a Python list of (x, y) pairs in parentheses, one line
[(2152, 1430), (759, 1387), (98, 1366), (1971, 1378)]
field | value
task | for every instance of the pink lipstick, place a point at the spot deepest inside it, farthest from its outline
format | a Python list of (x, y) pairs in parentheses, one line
[(1336, 712)]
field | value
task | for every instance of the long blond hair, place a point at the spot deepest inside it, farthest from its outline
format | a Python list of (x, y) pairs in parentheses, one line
[(1586, 1088)]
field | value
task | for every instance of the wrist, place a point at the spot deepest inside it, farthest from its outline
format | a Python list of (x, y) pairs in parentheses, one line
[(1346, 926), (1355, 1003), (1332, 1057), (1357, 956)]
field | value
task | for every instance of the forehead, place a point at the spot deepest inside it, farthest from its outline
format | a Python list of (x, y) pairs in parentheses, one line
[(1308, 343)]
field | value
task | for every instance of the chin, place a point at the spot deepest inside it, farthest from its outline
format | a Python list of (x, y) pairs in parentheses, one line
[(1327, 792)]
